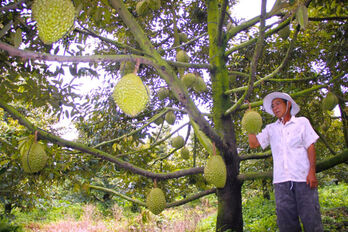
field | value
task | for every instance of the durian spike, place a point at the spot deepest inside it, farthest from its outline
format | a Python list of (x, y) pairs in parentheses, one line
[(136, 68)]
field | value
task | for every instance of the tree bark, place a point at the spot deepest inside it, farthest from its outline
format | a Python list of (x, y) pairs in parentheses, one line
[(230, 215)]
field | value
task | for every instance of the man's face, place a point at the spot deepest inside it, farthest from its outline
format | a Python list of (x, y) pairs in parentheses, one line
[(279, 107)]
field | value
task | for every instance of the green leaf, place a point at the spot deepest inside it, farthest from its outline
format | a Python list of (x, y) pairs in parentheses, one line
[(302, 16)]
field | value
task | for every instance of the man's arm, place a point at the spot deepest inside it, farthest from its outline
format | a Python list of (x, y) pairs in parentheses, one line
[(311, 178), (253, 142)]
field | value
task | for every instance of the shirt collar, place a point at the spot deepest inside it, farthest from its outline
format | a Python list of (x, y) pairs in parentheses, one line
[(292, 120)]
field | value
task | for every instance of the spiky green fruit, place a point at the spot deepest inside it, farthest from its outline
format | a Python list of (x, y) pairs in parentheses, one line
[(199, 85), (54, 18), (159, 121), (163, 93), (284, 32), (185, 153), (252, 122), (183, 37), (182, 56), (170, 117), (154, 4), (131, 95), (189, 79), (178, 142), (142, 8), (156, 201), (33, 158), (330, 101), (215, 171)]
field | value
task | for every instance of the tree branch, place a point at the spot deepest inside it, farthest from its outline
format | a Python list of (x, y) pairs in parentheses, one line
[(13, 51), (254, 62), (107, 40), (321, 166), (329, 18), (92, 151), (117, 194), (276, 71), (168, 205), (262, 155), (296, 94), (12, 6)]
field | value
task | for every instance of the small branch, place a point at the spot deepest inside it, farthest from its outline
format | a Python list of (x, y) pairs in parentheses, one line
[(321, 166), (188, 42), (95, 152), (12, 6), (188, 65), (262, 155), (254, 40), (156, 143), (134, 131), (168, 205), (118, 194), (276, 71), (191, 198), (13, 51), (336, 18), (113, 42), (254, 62)]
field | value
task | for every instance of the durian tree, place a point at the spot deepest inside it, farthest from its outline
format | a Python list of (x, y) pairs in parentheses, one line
[(234, 63)]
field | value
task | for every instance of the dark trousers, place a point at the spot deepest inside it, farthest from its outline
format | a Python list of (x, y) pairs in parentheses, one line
[(294, 201)]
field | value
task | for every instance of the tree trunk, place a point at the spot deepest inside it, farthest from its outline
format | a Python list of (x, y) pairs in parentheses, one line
[(230, 215)]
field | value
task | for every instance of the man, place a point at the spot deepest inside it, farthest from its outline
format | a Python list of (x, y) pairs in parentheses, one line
[(292, 143)]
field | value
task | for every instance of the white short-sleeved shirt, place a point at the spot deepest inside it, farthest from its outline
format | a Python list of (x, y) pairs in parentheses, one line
[(289, 144)]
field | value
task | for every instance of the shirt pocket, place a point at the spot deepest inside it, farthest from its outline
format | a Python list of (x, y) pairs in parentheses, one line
[(295, 138)]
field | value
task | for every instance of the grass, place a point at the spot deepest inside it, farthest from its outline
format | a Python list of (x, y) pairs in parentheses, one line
[(199, 216)]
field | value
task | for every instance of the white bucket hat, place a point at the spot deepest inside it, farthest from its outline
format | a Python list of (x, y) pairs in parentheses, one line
[(267, 102)]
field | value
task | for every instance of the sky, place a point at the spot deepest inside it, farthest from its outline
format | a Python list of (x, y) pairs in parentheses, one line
[(246, 9)]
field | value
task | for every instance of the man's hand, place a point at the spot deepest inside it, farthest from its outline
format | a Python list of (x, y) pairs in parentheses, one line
[(312, 179)]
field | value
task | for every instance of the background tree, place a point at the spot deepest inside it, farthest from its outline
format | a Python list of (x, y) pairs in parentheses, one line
[(239, 61)]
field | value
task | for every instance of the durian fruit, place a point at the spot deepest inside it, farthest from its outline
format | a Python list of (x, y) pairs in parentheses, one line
[(185, 153), (156, 201), (170, 117), (54, 18), (154, 4), (252, 122), (199, 85), (178, 142), (131, 95), (183, 37), (182, 56), (329, 102), (33, 157), (284, 32), (159, 121), (142, 8), (163, 93), (215, 171), (189, 79)]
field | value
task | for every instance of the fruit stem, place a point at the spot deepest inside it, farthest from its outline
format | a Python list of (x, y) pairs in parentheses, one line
[(136, 66), (35, 137)]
